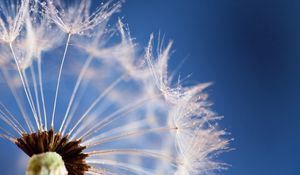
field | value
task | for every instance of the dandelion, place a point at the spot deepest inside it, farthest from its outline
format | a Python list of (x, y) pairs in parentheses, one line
[(78, 97)]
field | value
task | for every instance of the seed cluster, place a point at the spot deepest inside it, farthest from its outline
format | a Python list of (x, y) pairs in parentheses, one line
[(48, 141)]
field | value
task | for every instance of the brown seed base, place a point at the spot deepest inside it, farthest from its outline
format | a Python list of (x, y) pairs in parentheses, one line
[(48, 141)]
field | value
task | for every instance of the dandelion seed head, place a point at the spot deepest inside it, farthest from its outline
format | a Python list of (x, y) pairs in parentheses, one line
[(89, 93)]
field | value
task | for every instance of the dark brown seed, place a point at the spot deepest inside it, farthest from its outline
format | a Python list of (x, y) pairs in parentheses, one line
[(48, 141)]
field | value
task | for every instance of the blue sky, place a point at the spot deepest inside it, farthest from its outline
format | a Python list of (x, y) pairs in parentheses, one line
[(250, 49)]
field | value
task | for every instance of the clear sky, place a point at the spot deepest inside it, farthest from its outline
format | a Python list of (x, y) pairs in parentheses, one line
[(250, 49)]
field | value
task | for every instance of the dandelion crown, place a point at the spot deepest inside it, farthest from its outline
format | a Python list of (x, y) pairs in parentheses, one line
[(78, 96)]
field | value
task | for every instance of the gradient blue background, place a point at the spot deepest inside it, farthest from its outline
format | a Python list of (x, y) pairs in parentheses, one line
[(250, 49)]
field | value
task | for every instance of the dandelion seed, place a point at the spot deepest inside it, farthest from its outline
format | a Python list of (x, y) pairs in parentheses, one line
[(113, 110), (12, 19), (75, 18)]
